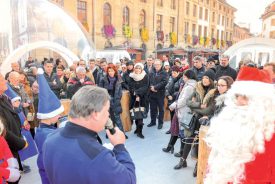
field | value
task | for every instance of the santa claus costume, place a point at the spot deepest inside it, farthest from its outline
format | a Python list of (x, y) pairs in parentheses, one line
[(9, 171), (241, 137)]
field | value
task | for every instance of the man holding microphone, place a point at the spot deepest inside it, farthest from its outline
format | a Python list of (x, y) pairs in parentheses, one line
[(73, 154)]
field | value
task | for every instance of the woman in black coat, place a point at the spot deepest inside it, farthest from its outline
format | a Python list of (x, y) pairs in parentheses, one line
[(112, 82), (138, 86)]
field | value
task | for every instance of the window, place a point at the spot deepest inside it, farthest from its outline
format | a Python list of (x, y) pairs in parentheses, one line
[(186, 27), (222, 35), (107, 14), (220, 7), (223, 20), (218, 34), (214, 4), (206, 14), (226, 36), (207, 2), (212, 33), (173, 4), (272, 34), (187, 8), (273, 22), (159, 22), (219, 18), (172, 24), (200, 13), (194, 10), (194, 29), (230, 38), (82, 11), (227, 22), (142, 19), (200, 30), (159, 2), (213, 16), (125, 18), (205, 31), (144, 1)]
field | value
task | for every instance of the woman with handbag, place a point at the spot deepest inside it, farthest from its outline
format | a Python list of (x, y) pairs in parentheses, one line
[(202, 104), (112, 82), (138, 86), (179, 106)]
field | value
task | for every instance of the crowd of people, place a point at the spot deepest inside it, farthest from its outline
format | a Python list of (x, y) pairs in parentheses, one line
[(199, 89)]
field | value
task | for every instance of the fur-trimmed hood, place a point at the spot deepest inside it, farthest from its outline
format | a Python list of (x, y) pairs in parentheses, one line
[(205, 98), (220, 99)]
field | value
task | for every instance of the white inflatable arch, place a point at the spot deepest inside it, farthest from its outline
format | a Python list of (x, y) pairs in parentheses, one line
[(68, 55)]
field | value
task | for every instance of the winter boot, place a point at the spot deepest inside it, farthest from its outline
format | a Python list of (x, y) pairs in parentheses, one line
[(179, 154), (139, 132), (170, 146), (181, 164)]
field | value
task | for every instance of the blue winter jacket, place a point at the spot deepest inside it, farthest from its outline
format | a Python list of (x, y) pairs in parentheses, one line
[(73, 155), (41, 134)]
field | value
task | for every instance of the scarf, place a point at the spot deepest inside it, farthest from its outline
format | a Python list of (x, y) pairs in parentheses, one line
[(112, 81), (137, 77)]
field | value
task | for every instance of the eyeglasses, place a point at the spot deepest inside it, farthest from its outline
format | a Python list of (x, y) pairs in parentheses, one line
[(221, 85)]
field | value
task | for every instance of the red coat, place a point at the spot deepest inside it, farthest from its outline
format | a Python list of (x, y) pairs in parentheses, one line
[(262, 169), (5, 154)]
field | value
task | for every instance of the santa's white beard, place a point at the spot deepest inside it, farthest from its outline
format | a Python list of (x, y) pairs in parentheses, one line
[(235, 136)]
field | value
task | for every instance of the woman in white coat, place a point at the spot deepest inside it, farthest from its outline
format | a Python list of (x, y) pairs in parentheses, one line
[(180, 107)]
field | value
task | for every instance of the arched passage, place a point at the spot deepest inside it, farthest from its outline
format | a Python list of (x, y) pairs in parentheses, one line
[(68, 55)]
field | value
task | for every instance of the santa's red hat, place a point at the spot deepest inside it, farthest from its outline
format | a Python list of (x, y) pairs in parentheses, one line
[(252, 82)]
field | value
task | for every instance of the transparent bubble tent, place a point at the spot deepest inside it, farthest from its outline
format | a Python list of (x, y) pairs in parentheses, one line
[(27, 25)]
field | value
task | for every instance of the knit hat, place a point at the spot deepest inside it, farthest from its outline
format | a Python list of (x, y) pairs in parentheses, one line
[(140, 65), (166, 63), (11, 94), (210, 74), (129, 63), (175, 68), (49, 105), (253, 82)]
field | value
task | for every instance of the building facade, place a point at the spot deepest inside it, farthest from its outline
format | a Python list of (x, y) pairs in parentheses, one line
[(268, 18), (240, 33), (148, 25)]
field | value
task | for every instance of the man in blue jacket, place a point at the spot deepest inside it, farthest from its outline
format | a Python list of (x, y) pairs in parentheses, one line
[(73, 155)]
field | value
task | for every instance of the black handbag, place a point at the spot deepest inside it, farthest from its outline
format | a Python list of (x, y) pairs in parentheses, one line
[(138, 112), (188, 120)]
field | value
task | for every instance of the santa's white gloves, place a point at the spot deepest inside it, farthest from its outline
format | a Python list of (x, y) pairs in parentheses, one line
[(14, 170)]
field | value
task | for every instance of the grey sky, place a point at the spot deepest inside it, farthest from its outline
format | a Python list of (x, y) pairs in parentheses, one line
[(250, 11)]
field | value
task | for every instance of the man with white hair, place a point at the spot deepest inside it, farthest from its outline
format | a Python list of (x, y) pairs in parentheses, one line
[(241, 137), (75, 83)]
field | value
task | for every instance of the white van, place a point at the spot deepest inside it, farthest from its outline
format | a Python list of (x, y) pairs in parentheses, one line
[(258, 50)]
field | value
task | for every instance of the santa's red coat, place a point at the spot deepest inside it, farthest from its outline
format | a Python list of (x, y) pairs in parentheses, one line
[(5, 154), (262, 169)]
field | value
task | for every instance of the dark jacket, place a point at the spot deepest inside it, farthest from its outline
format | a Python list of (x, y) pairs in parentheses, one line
[(100, 76), (54, 87), (159, 81), (75, 147), (115, 104), (225, 71), (199, 72), (140, 89), (74, 85), (126, 80), (172, 88), (11, 121)]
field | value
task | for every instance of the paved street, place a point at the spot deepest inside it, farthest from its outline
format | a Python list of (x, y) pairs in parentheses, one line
[(153, 166)]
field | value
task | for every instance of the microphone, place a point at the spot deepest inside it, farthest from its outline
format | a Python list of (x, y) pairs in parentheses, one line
[(109, 125)]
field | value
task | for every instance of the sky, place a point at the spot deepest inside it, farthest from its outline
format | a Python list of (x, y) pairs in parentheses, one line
[(250, 11)]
